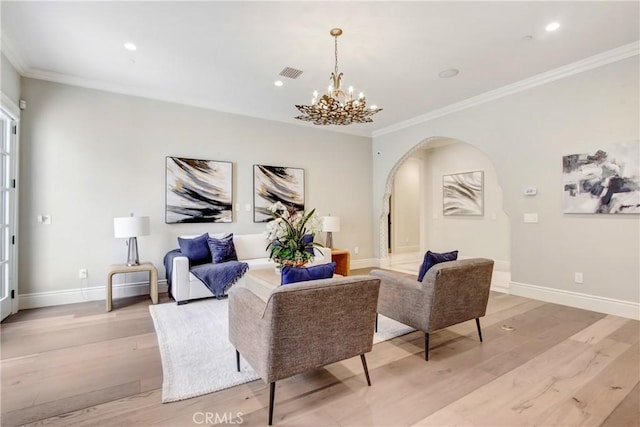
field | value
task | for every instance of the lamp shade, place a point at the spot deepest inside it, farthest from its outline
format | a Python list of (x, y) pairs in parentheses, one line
[(130, 226), (330, 223)]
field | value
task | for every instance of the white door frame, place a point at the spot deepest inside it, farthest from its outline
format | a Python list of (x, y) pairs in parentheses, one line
[(11, 110)]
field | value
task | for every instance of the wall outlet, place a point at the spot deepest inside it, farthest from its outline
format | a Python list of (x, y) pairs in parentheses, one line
[(356, 250), (577, 277), (83, 273)]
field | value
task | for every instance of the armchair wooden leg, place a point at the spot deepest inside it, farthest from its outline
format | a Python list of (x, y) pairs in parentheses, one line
[(366, 371), (426, 346), (478, 326), (376, 322), (238, 360), (272, 392)]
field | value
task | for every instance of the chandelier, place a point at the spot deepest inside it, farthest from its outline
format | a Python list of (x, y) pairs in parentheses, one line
[(337, 107)]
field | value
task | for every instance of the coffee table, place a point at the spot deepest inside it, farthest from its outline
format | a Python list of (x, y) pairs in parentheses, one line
[(263, 282)]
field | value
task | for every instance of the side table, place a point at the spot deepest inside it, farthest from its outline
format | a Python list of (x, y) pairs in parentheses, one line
[(124, 268), (342, 258)]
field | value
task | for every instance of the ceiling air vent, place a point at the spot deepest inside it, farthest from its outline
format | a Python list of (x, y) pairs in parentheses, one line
[(291, 73)]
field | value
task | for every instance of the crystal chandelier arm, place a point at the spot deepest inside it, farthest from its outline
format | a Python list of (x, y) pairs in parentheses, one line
[(336, 107)]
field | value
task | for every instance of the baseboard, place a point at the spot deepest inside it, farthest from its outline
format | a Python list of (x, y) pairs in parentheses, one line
[(499, 287), (94, 293), (628, 309)]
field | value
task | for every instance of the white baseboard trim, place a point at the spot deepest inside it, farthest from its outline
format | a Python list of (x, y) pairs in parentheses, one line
[(499, 287), (94, 293), (628, 309)]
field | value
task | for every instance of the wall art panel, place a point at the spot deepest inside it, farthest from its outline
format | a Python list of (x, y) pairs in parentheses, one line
[(462, 194), (276, 184), (198, 191), (605, 182)]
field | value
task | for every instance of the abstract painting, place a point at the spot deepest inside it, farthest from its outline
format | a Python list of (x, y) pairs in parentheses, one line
[(276, 184), (605, 182), (463, 193), (198, 191)]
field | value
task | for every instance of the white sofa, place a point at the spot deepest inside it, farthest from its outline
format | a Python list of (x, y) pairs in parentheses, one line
[(250, 248)]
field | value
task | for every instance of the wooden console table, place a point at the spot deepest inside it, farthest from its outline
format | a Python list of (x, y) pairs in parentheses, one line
[(124, 268), (342, 258)]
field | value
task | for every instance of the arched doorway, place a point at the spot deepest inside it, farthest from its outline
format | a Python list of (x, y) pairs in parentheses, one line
[(485, 234)]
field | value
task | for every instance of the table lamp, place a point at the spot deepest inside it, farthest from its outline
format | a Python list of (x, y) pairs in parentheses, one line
[(329, 225), (129, 227)]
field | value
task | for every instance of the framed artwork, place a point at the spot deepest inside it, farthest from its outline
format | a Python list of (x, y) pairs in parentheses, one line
[(605, 182), (463, 194), (198, 191), (273, 184)]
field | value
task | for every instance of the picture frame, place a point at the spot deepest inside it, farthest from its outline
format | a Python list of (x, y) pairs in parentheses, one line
[(273, 184), (605, 181), (463, 194), (198, 191)]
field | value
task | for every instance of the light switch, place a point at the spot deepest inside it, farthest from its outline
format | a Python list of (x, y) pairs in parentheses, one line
[(531, 218), (530, 191)]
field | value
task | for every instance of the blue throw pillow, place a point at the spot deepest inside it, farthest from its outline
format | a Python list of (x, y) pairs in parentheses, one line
[(307, 239), (196, 249), (297, 274), (222, 250), (433, 258)]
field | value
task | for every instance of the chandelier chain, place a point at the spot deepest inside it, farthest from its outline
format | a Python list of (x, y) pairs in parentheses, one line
[(336, 55)]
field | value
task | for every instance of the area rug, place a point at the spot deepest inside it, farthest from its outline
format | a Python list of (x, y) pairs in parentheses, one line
[(197, 357)]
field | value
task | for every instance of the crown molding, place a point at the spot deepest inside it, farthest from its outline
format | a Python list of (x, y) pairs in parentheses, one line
[(12, 55), (604, 58)]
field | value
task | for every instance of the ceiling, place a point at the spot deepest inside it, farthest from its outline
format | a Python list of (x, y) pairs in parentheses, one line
[(226, 55)]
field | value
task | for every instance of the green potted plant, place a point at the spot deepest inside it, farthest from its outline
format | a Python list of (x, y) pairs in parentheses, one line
[(291, 236)]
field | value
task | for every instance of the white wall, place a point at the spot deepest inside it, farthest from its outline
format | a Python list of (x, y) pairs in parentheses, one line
[(89, 156), (525, 136), (474, 236), (405, 216), (10, 80)]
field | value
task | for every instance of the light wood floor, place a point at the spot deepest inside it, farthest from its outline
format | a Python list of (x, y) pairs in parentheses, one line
[(77, 365)]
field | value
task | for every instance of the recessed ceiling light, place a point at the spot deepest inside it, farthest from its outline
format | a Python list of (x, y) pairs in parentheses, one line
[(451, 72), (278, 83), (130, 46), (552, 26)]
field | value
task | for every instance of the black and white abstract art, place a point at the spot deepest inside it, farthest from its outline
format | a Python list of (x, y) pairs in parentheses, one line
[(198, 191), (273, 184), (462, 194), (605, 181)]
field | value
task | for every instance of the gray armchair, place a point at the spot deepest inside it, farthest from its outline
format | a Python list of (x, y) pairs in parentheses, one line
[(451, 292), (303, 326)]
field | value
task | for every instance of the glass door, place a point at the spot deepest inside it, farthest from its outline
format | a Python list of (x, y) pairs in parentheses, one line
[(7, 189)]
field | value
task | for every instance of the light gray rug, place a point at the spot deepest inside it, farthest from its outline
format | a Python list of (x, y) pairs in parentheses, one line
[(197, 357)]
